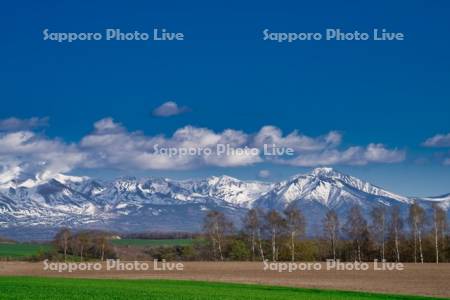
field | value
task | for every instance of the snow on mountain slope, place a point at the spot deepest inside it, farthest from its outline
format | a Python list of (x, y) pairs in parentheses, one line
[(47, 204), (328, 188), (356, 183), (445, 197), (34, 181), (133, 204), (443, 201), (232, 190)]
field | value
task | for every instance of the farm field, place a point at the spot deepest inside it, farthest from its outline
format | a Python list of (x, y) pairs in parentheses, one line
[(18, 251), (152, 242), (64, 288), (25, 250), (416, 279)]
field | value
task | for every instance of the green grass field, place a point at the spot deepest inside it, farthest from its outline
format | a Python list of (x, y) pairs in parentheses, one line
[(59, 288), (21, 250), (152, 243)]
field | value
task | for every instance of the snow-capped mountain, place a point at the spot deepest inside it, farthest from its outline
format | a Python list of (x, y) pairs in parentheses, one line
[(132, 204), (328, 188), (231, 190)]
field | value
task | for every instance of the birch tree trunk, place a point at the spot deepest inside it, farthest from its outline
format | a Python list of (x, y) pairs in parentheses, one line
[(397, 251), (333, 244), (382, 242), (415, 242), (253, 245), (436, 239), (359, 250), (219, 244), (214, 247), (65, 249), (420, 246), (261, 251), (274, 245), (103, 250), (292, 246)]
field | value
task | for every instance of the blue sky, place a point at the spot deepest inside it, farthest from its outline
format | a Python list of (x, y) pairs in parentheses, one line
[(392, 93)]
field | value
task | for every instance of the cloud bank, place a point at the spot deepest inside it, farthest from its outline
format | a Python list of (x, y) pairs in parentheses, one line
[(27, 155)]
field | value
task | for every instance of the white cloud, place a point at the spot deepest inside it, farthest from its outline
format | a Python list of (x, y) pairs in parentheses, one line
[(264, 174), (169, 109), (114, 146), (8, 172), (295, 140), (439, 140), (111, 145), (379, 154), (373, 153), (108, 125), (25, 154), (15, 124)]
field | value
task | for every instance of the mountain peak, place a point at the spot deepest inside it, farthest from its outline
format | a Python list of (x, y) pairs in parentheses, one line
[(224, 179), (323, 171), (327, 186)]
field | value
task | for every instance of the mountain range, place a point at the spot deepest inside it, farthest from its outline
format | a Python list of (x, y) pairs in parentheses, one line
[(35, 209)]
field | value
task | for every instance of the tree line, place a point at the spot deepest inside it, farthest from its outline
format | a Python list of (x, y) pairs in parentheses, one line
[(281, 235), (386, 234), (83, 245)]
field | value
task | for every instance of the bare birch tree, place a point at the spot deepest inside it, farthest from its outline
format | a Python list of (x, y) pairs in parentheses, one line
[(331, 229), (395, 230), (417, 222), (217, 226), (252, 225), (439, 224), (378, 227), (275, 225), (82, 240), (356, 228), (62, 240), (295, 225)]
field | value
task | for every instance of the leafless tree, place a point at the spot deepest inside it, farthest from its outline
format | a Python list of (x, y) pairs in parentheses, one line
[(62, 240), (439, 224), (82, 241), (217, 226), (356, 228), (275, 225), (331, 229), (417, 222), (295, 225), (395, 230), (101, 244), (252, 225), (378, 227)]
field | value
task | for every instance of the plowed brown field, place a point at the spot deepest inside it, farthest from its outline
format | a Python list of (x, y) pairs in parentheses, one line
[(415, 279)]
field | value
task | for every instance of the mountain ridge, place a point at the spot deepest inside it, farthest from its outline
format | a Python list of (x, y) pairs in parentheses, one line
[(139, 204)]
